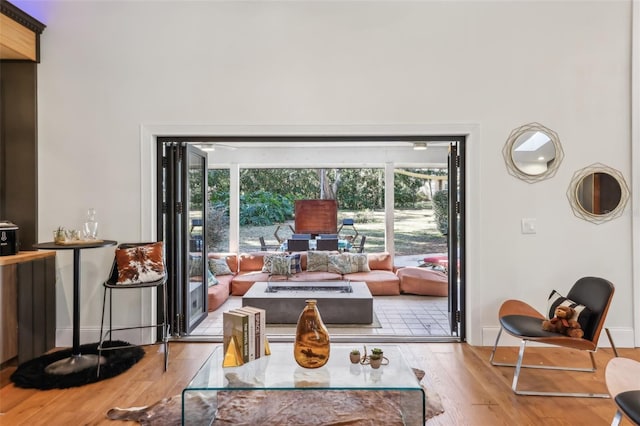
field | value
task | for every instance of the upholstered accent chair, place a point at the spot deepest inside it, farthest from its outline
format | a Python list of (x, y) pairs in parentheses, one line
[(522, 321)]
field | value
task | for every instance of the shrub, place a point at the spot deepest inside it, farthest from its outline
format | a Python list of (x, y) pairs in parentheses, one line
[(217, 225), (441, 211), (263, 208)]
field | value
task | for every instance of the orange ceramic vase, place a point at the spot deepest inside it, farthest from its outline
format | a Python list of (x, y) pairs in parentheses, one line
[(311, 348)]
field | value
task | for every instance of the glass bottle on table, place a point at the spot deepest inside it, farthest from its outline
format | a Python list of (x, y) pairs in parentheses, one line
[(90, 228), (312, 344)]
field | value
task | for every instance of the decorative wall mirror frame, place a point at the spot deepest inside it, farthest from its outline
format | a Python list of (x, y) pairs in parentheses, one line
[(533, 153), (598, 193)]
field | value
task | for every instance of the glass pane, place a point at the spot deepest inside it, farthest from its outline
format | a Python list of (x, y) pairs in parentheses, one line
[(218, 210), (420, 216)]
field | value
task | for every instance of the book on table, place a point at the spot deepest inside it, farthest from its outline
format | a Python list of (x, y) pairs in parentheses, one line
[(251, 332), (235, 327), (260, 319)]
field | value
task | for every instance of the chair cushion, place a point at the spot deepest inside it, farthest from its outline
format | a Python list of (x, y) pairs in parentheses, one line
[(582, 314), (629, 403), (140, 264), (522, 325)]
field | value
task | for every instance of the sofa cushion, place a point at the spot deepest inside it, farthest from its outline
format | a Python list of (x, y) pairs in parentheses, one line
[(380, 283), (423, 281), (218, 294), (242, 282), (380, 261), (251, 262)]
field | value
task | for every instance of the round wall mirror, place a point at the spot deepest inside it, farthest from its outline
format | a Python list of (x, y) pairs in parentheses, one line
[(598, 193), (533, 152)]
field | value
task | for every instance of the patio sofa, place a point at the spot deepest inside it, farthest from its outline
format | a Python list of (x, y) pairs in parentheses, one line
[(247, 268)]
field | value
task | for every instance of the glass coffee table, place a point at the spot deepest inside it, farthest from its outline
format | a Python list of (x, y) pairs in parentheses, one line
[(275, 390)]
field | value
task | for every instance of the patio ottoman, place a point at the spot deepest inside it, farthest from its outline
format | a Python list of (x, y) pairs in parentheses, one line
[(423, 281)]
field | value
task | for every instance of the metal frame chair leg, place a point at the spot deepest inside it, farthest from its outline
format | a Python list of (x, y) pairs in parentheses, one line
[(519, 366), (616, 418)]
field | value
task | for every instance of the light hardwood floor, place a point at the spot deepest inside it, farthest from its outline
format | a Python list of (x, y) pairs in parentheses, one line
[(473, 392)]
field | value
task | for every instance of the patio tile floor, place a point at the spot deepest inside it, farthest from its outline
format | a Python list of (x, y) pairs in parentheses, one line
[(404, 315)]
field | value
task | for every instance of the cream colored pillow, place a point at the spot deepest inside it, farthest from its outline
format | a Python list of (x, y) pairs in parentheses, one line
[(317, 261)]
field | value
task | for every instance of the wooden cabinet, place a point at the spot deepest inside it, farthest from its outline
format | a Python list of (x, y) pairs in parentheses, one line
[(27, 305), (8, 312), (19, 57)]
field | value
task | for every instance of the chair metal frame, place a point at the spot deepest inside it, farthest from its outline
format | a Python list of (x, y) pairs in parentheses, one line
[(111, 284), (523, 310), (264, 246), (351, 223), (360, 248)]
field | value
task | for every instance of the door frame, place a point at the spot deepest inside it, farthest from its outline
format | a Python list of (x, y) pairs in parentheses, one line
[(471, 132)]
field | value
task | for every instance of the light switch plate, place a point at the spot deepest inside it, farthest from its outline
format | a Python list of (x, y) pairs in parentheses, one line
[(528, 226)]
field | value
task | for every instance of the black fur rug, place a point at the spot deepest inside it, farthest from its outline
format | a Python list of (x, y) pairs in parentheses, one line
[(32, 375)]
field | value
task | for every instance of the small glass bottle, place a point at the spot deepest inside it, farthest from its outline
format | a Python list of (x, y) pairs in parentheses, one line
[(311, 348), (90, 229)]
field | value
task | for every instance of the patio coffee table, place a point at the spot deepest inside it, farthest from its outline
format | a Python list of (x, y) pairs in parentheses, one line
[(339, 302), (275, 390)]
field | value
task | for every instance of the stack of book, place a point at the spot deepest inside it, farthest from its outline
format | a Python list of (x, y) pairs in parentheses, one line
[(244, 331)]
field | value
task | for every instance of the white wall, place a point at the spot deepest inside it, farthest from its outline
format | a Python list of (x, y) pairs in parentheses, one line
[(111, 71)]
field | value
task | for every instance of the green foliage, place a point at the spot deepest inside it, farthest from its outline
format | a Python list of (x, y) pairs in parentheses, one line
[(268, 195), (441, 210), (217, 225), (405, 188), (361, 189), (264, 208), (300, 184)]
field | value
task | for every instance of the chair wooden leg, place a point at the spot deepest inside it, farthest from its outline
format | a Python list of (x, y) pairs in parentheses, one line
[(613, 345), (495, 346)]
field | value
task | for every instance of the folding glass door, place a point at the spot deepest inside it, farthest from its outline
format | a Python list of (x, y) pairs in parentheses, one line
[(182, 189), (456, 239)]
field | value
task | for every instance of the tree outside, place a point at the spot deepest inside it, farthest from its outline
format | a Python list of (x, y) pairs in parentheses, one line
[(268, 195)]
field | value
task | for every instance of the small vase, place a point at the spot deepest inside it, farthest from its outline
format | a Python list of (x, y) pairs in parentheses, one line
[(354, 357), (375, 361), (311, 348)]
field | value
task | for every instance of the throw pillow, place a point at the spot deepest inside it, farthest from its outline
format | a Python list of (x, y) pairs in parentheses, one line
[(295, 262), (281, 265), (219, 267), (582, 315), (340, 264), (359, 262), (195, 266), (267, 261), (317, 261), (140, 264), (211, 279), (195, 271)]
